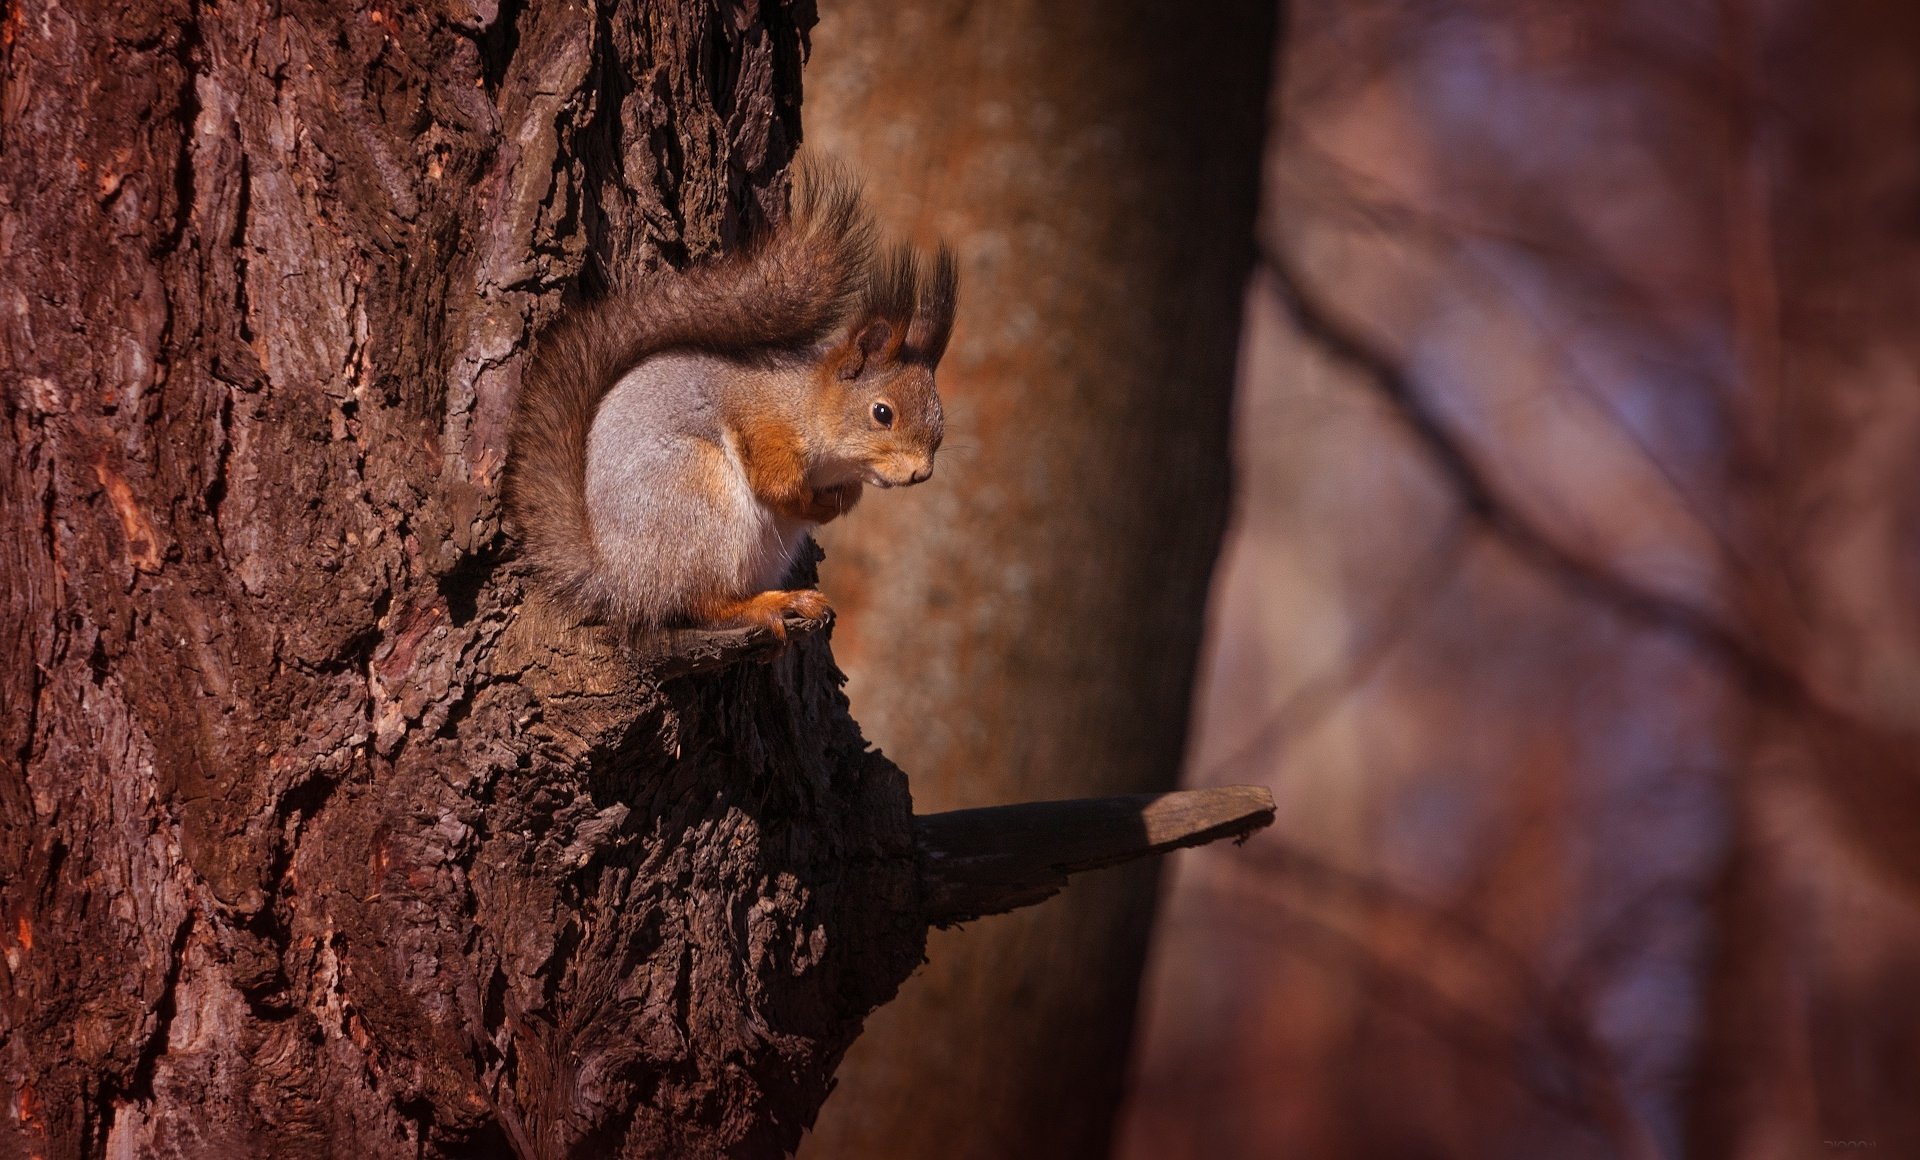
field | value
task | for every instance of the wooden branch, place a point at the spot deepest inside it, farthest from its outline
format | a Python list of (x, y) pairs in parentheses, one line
[(682, 652), (989, 861)]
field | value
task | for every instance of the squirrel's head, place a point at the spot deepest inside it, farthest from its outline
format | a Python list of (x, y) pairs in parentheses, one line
[(880, 378)]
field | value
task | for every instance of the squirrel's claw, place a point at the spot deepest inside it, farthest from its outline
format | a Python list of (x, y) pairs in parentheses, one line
[(799, 612), (759, 626)]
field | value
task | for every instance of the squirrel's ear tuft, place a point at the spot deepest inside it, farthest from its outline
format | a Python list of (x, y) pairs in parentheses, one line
[(918, 300), (934, 307), (900, 307), (896, 286)]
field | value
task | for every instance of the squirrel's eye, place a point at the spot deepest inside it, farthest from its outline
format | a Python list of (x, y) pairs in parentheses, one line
[(883, 414)]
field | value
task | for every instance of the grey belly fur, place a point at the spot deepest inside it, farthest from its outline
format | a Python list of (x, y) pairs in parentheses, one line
[(673, 516)]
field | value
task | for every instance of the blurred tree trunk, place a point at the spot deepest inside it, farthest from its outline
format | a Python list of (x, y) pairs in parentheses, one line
[(1026, 625), (315, 841), (1812, 1026)]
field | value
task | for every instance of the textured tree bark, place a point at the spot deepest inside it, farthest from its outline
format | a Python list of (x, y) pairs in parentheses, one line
[(1028, 626), (323, 836), (316, 841)]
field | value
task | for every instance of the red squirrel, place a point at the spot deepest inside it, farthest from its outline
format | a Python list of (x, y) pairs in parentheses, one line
[(674, 443)]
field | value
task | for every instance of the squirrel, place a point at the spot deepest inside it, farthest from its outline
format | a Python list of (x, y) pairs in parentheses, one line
[(675, 442)]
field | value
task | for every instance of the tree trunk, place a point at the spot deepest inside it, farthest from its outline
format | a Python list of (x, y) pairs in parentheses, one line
[(316, 842), (1810, 1020), (1028, 626)]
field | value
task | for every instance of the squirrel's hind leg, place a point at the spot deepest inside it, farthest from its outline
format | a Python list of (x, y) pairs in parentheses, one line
[(768, 610)]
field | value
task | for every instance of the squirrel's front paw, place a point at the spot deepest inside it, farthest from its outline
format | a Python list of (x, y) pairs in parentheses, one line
[(829, 504)]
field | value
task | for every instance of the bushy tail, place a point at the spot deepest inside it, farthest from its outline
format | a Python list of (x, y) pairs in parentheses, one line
[(786, 291)]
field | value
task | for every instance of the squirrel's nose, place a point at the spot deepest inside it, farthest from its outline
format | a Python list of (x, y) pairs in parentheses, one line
[(922, 475)]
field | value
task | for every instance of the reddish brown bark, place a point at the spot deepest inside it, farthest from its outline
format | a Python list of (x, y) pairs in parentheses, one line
[(316, 841)]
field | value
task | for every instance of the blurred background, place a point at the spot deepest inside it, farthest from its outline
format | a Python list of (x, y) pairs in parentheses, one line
[(1567, 595)]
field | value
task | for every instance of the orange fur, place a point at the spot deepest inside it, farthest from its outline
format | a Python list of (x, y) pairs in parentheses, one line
[(775, 455), (831, 503), (767, 610), (821, 327), (776, 470), (781, 294)]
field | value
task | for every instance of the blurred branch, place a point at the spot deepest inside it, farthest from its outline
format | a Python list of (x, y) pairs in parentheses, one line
[(1483, 501), (1587, 1088), (1319, 694), (1869, 771)]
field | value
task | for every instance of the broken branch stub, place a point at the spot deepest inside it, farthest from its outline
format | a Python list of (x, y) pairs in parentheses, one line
[(988, 861)]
